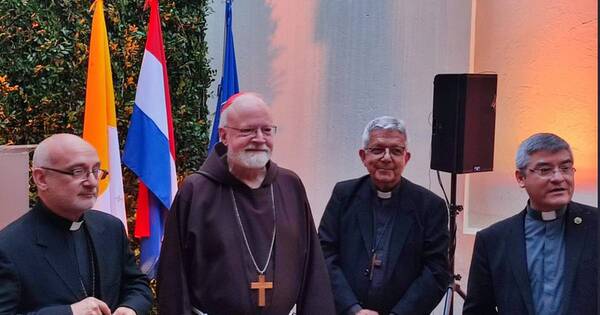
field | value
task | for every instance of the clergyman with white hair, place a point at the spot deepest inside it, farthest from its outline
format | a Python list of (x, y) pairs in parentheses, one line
[(384, 238)]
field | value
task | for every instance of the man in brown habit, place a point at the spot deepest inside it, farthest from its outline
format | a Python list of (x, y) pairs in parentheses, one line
[(240, 237)]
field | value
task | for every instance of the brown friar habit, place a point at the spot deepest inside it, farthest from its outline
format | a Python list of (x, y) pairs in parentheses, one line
[(204, 262)]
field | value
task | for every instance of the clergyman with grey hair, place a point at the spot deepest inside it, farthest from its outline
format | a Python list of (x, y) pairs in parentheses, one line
[(543, 260), (385, 239)]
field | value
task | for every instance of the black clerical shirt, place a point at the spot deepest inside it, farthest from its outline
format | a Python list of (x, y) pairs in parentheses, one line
[(384, 212), (84, 256)]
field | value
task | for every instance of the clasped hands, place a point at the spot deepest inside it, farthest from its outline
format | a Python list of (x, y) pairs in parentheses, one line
[(93, 306)]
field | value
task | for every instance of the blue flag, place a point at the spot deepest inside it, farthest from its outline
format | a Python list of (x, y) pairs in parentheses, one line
[(229, 81)]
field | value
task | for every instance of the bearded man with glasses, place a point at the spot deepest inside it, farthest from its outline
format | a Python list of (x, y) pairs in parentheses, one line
[(61, 257), (384, 238), (240, 237), (544, 260)]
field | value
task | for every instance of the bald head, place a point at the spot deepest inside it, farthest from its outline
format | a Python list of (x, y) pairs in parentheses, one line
[(52, 149), (241, 104), (56, 162)]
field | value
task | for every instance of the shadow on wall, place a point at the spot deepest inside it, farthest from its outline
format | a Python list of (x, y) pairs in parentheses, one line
[(362, 73)]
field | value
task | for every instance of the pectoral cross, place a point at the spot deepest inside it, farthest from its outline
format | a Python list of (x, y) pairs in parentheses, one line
[(375, 263), (261, 285)]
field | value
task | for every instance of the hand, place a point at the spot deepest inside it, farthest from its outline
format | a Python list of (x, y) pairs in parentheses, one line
[(366, 312), (90, 306), (124, 311)]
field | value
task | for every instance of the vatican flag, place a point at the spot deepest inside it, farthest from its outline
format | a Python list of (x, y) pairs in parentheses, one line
[(100, 120)]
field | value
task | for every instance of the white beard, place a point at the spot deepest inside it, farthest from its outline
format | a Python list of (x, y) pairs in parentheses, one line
[(252, 160)]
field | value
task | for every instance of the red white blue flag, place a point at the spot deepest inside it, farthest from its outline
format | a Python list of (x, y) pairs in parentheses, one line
[(150, 146)]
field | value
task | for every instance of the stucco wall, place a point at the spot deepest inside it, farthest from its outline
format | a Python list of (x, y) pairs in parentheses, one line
[(328, 67), (545, 54)]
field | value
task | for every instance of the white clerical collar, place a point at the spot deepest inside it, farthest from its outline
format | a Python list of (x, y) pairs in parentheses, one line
[(549, 215), (384, 194), (546, 215), (75, 225)]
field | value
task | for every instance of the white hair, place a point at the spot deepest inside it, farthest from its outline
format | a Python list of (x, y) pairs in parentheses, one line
[(385, 123)]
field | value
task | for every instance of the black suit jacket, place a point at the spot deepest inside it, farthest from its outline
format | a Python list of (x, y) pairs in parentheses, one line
[(39, 276), (418, 253), (498, 278)]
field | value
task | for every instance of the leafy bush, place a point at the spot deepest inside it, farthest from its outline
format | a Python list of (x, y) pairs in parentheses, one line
[(43, 69)]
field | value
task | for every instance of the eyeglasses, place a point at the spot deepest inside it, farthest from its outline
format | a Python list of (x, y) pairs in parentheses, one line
[(547, 172), (393, 151), (247, 132), (81, 173)]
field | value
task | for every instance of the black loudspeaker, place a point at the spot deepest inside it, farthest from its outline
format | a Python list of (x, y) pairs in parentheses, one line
[(464, 117)]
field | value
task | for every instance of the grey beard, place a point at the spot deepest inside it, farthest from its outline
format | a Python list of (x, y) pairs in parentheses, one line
[(253, 160)]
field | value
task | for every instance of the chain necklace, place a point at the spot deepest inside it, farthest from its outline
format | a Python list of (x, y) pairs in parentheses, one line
[(239, 220), (378, 238)]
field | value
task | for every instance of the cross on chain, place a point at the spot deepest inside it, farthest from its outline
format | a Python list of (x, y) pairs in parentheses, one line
[(261, 285)]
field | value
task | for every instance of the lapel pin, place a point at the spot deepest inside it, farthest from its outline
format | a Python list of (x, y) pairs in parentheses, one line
[(578, 220)]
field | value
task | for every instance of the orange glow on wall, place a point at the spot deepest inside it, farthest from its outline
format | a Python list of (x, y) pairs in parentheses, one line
[(547, 82)]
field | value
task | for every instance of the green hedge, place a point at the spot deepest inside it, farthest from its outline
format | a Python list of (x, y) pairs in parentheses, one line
[(43, 69)]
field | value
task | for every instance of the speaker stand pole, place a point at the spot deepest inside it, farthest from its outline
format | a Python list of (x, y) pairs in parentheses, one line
[(454, 210)]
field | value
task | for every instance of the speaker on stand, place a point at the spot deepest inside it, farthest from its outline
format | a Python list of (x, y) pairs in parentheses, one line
[(462, 141)]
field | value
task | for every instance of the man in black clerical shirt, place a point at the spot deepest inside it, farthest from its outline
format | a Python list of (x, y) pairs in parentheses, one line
[(385, 239), (240, 237), (62, 258), (544, 259)]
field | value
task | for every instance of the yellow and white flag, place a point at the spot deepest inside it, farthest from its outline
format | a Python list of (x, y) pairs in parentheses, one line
[(100, 120)]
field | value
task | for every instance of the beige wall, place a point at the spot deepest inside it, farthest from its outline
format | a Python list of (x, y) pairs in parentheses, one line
[(545, 54), (328, 67), (14, 183)]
